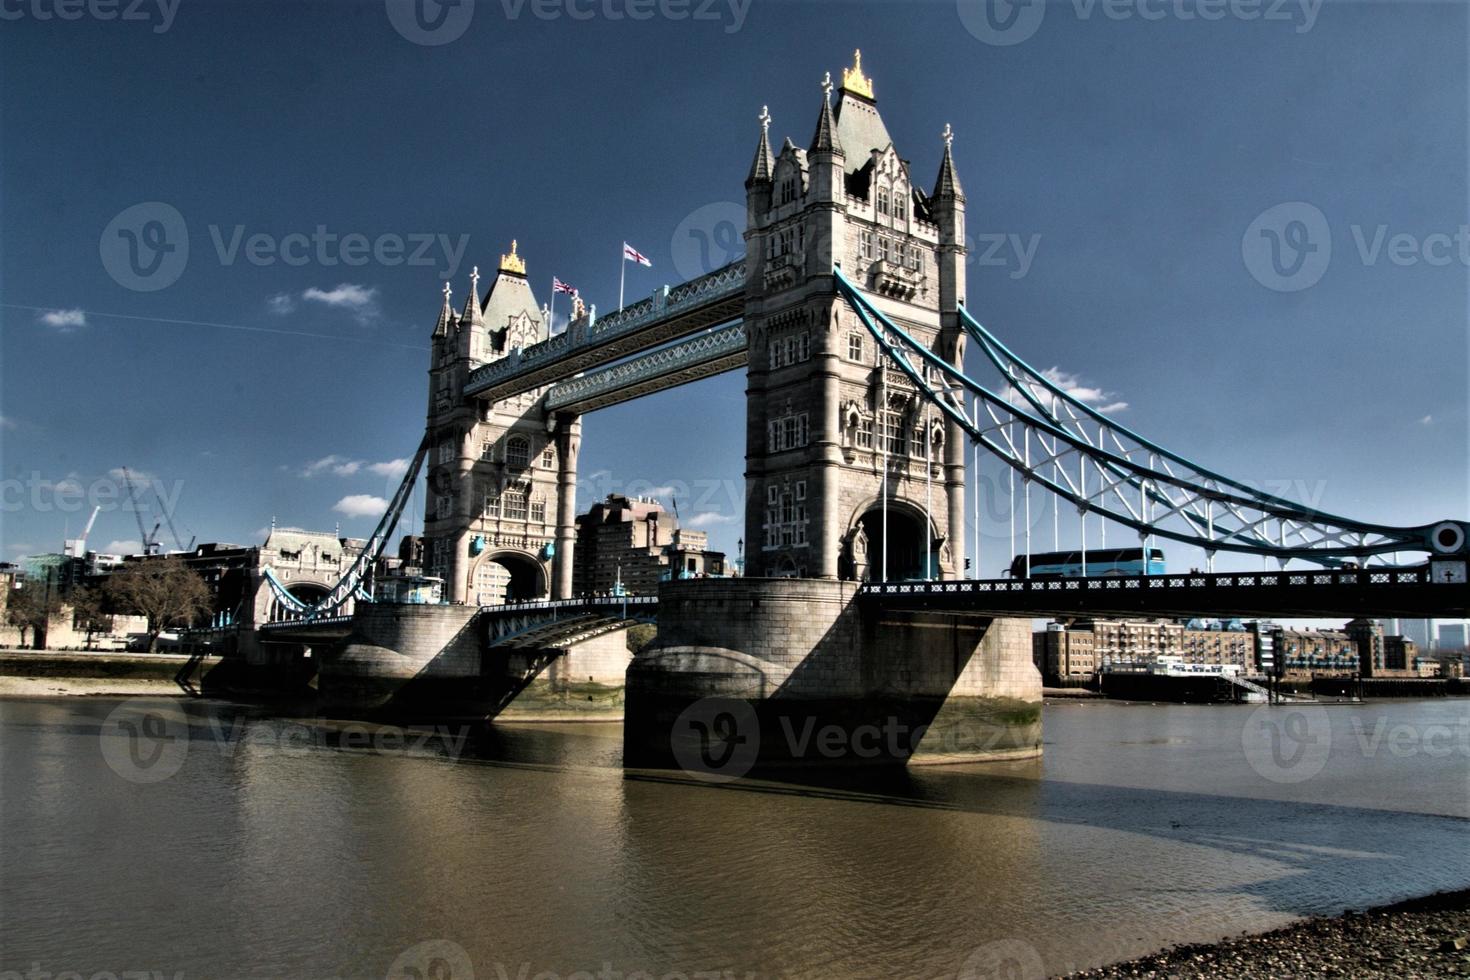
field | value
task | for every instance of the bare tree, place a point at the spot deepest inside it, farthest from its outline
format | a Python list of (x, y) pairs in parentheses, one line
[(89, 613), (30, 607), (165, 590)]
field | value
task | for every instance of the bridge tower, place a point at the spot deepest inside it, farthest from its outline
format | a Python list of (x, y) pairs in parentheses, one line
[(824, 412), (500, 512)]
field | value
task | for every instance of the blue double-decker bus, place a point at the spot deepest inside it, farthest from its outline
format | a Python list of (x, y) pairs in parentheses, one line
[(1102, 561)]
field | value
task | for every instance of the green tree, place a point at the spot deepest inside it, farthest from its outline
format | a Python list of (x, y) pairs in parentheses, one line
[(30, 607), (639, 636), (89, 612), (165, 590)]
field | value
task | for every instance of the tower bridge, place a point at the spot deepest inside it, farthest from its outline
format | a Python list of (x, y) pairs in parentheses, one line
[(849, 316)]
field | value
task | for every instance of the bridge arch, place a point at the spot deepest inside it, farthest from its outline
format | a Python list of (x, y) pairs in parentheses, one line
[(862, 551), (507, 575)]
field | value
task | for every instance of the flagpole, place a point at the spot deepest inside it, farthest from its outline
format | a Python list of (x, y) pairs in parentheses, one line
[(551, 310), (622, 274)]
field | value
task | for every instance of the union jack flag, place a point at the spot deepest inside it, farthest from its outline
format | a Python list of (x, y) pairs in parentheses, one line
[(631, 253), (557, 286)]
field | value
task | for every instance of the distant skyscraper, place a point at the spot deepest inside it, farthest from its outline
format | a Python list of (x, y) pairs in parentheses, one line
[(1417, 630), (1452, 636)]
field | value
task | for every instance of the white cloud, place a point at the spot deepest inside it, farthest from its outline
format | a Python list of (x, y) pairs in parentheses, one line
[(141, 479), (360, 505), (64, 321), (336, 465), (261, 533), (281, 304), (709, 519), (361, 301), (393, 467), (1097, 399), (126, 546), (1427, 420), (663, 491)]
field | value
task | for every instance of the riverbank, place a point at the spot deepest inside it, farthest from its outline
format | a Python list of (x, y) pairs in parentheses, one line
[(33, 673), (1419, 938)]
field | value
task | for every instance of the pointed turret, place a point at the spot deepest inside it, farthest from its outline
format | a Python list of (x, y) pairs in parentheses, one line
[(825, 140), (446, 314), (472, 314), (760, 167), (947, 185)]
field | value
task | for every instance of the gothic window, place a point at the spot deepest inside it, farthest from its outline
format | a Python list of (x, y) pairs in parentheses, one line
[(538, 511), (785, 525), (788, 190), (788, 432), (803, 346), (866, 240), (882, 201), (513, 503), (487, 449), (517, 453), (855, 347), (890, 431), (773, 348), (446, 449), (864, 436), (882, 249), (900, 207), (492, 503), (548, 457), (789, 354), (443, 506)]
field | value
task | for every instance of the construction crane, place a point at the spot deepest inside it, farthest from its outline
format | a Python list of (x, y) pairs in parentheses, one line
[(77, 547), (150, 541)]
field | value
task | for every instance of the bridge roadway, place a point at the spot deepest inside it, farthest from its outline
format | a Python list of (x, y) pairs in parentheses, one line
[(671, 313), (544, 623), (1382, 591)]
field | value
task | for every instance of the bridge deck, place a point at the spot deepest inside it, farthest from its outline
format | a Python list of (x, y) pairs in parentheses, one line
[(1404, 592), (671, 313)]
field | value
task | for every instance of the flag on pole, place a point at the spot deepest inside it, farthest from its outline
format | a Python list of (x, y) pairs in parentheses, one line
[(557, 286), (632, 254)]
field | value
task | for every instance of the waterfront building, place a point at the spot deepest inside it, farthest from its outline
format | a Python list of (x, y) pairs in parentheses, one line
[(1077, 652), (632, 543)]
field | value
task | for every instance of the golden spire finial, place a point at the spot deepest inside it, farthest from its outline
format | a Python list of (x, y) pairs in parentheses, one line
[(513, 262), (853, 79)]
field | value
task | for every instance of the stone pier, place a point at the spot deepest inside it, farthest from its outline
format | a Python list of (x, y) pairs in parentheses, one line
[(768, 672)]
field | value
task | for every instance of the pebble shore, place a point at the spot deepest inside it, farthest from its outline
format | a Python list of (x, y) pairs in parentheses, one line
[(1421, 938)]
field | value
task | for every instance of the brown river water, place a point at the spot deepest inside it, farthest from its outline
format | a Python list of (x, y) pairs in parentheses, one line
[(208, 839)]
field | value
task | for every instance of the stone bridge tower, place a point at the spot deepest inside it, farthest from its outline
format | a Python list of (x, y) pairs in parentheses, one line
[(499, 518), (821, 407)]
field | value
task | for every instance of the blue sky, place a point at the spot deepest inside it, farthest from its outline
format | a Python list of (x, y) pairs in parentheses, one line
[(1125, 150)]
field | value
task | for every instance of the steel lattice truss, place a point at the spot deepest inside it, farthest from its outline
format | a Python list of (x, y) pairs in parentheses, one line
[(1065, 446), (350, 585)]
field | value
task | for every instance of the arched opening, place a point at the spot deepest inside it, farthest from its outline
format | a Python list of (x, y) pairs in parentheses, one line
[(905, 541), (308, 593), (507, 577)]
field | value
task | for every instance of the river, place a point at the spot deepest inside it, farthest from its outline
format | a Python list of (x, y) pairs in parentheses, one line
[(209, 839)]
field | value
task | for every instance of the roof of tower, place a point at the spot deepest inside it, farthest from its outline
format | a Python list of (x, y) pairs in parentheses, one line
[(825, 138), (446, 314), (860, 128), (947, 184), (510, 295), (472, 309), (760, 167)]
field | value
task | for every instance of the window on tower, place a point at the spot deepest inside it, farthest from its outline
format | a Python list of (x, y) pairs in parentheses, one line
[(517, 453)]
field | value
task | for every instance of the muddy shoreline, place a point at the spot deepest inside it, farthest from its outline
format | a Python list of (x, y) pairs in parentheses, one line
[(1418, 938)]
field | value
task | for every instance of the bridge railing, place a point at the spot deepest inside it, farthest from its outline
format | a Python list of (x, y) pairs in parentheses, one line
[(1391, 577), (600, 602), (668, 301)]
